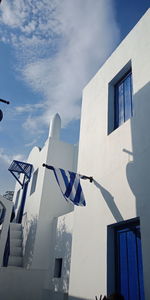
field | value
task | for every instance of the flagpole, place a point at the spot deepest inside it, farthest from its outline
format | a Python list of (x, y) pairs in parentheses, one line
[(86, 177), (81, 176)]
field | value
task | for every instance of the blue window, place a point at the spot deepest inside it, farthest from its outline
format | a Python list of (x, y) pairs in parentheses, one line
[(123, 100)]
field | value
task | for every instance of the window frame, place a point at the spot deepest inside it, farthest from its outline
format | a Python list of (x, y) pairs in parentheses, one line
[(112, 251), (118, 77), (58, 267), (117, 110)]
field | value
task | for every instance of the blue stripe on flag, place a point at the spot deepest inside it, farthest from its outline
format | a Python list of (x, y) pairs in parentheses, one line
[(79, 199), (64, 176), (78, 194), (57, 173), (69, 183)]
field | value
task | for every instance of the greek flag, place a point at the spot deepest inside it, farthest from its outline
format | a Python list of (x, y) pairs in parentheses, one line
[(69, 183)]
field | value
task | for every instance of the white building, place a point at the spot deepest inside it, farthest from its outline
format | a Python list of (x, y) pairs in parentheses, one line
[(38, 239), (108, 241), (114, 148)]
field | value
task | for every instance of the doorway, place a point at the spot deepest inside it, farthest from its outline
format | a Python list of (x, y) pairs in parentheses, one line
[(128, 267)]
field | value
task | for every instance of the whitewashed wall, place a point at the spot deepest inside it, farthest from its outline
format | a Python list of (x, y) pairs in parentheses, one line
[(47, 226), (4, 227), (47, 202), (52, 203), (32, 205), (63, 241), (119, 163)]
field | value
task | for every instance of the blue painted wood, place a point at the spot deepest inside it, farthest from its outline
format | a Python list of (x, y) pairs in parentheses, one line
[(7, 250), (123, 100), (140, 268), (129, 263), (22, 204), (19, 167), (132, 263), (127, 98), (123, 265), (121, 103)]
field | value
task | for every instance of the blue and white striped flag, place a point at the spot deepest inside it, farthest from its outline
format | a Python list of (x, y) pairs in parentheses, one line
[(69, 183)]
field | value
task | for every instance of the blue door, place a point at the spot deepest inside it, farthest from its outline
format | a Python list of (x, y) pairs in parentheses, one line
[(129, 269), (22, 204)]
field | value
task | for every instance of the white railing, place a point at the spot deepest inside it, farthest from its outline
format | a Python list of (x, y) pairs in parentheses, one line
[(8, 205)]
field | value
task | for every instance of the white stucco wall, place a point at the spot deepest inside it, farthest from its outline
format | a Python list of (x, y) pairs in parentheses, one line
[(32, 204), (18, 283), (46, 203), (52, 203), (4, 227), (119, 163), (63, 240)]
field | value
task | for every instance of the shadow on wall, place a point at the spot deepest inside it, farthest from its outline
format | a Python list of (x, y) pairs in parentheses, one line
[(109, 199), (30, 232), (62, 250), (138, 171)]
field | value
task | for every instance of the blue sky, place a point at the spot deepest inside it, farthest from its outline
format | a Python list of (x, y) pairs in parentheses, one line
[(49, 50)]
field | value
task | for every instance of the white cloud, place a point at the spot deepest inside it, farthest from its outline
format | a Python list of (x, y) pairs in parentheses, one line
[(13, 13), (7, 159), (61, 44), (4, 157), (30, 107), (7, 181), (19, 157), (31, 143), (30, 27)]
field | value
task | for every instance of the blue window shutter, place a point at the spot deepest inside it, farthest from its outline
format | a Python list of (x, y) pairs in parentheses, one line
[(121, 103), (129, 263), (133, 268), (128, 97), (140, 268), (123, 265), (123, 100)]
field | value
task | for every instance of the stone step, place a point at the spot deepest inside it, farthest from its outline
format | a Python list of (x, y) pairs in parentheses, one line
[(16, 251), (15, 234), (15, 261), (15, 227), (15, 242), (11, 268), (15, 258)]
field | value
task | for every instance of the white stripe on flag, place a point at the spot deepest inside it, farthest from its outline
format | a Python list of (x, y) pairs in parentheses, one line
[(69, 183), (61, 180), (74, 188)]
